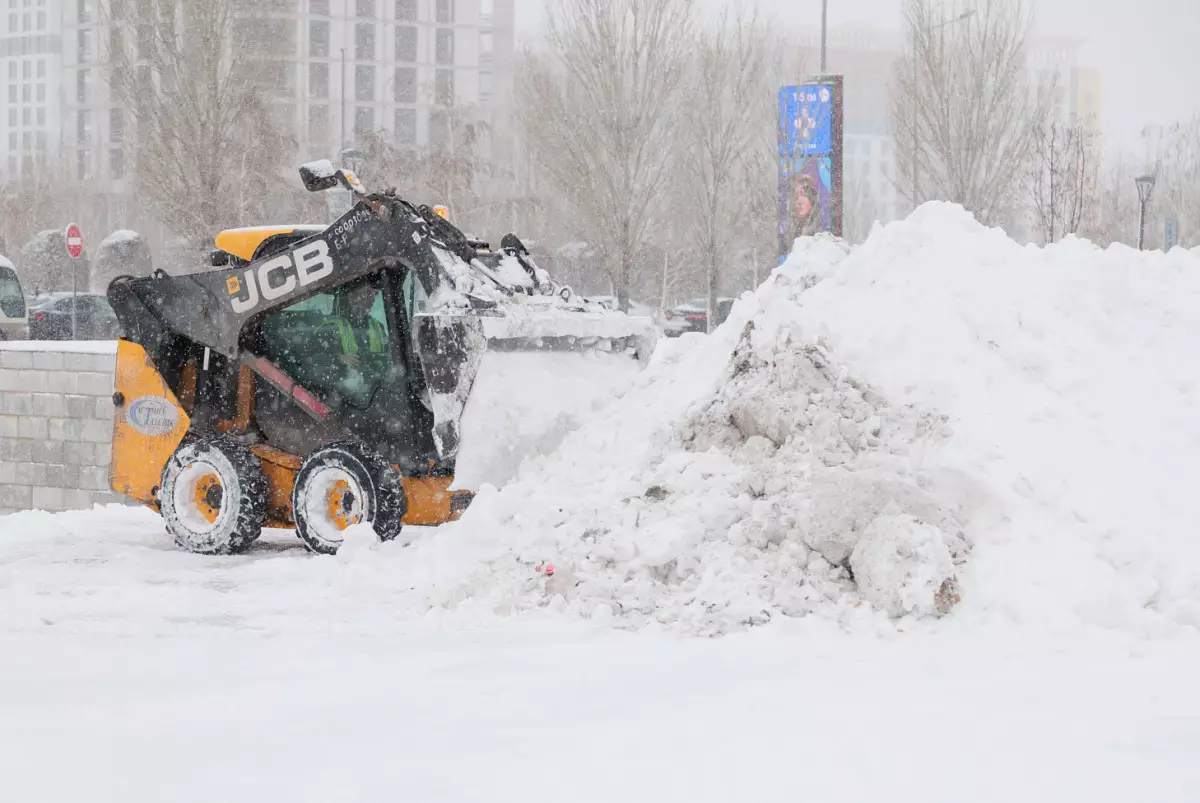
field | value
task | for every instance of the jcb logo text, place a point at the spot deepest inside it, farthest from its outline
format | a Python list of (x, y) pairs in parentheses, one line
[(277, 277)]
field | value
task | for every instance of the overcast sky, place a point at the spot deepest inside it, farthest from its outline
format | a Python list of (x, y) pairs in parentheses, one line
[(1148, 51)]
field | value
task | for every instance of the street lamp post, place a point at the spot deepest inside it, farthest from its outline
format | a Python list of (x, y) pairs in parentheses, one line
[(916, 188), (824, 15), (1145, 186)]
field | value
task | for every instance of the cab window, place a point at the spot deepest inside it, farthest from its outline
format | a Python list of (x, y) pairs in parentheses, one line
[(12, 299)]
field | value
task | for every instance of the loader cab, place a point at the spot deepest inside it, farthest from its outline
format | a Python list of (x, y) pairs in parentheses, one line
[(238, 247), (350, 346)]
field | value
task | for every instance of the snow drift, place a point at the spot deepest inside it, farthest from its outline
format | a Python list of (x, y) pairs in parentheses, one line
[(939, 412), (938, 416)]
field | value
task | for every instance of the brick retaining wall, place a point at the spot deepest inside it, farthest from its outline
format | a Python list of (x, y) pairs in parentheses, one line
[(56, 420)]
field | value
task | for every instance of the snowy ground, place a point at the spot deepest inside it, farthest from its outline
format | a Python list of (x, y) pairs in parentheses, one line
[(938, 402), (135, 673)]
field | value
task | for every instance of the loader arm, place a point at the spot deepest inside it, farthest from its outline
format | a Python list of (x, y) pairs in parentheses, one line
[(213, 308)]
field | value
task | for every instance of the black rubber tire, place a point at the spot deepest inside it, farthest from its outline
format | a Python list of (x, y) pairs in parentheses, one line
[(384, 502), (243, 498)]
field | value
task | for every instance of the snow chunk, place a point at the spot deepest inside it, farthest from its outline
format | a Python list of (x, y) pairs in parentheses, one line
[(901, 565)]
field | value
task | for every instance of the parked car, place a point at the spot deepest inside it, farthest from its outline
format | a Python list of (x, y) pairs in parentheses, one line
[(50, 318), (692, 316), (13, 323)]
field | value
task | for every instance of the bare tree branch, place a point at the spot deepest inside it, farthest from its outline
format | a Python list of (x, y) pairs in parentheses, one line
[(598, 109), (964, 107), (194, 79)]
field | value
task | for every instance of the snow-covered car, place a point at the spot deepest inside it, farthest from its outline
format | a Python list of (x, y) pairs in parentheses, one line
[(692, 316), (12, 303), (50, 317)]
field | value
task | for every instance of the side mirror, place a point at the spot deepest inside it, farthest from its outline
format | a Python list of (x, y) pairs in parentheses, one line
[(319, 175), (322, 175)]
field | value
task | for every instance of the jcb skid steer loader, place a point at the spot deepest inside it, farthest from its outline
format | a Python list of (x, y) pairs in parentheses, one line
[(317, 377)]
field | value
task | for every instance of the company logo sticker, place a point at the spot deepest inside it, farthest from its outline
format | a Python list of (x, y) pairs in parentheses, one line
[(152, 416)]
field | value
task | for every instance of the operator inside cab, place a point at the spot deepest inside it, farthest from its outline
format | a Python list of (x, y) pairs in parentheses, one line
[(358, 341)]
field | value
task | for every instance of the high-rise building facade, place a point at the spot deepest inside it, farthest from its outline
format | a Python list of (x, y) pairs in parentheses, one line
[(31, 61), (333, 69)]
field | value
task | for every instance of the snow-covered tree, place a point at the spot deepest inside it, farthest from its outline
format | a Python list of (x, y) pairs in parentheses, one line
[(45, 267), (194, 79), (1177, 191), (121, 253), (1063, 176), (600, 107), (965, 105), (729, 103)]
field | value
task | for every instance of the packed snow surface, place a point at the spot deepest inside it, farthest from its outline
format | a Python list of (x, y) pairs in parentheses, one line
[(976, 453)]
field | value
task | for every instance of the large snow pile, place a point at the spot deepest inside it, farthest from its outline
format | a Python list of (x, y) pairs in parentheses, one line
[(937, 412)]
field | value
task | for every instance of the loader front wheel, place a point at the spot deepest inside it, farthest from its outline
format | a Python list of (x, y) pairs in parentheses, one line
[(341, 485), (213, 496)]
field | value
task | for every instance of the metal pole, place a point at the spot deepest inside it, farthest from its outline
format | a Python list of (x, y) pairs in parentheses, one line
[(824, 15), (916, 154), (74, 297), (342, 100), (1142, 225)]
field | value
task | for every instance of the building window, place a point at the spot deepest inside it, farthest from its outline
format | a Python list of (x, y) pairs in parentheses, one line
[(26, 93), (487, 46), (27, 116), (41, 68), (116, 163), (439, 128), (318, 80), (318, 125), (364, 82), (12, 116), (487, 8), (12, 93), (406, 10), (443, 88), (116, 125), (12, 140), (12, 71), (83, 126), (145, 41), (318, 39), (485, 87), (364, 8), (364, 41), (318, 7), (445, 11), (83, 80), (83, 165), (41, 116), (41, 93), (41, 142), (85, 46), (406, 126), (26, 69), (444, 49), (406, 43), (405, 88), (364, 120), (85, 10)]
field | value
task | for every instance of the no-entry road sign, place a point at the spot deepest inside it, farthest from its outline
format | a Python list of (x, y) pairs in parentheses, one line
[(74, 241)]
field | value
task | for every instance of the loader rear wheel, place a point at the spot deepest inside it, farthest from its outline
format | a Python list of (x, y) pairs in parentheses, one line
[(341, 485), (213, 496)]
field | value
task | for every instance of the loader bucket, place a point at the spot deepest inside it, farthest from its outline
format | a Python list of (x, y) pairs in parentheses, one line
[(511, 385)]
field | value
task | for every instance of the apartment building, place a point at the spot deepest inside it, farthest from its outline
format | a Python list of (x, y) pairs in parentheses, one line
[(31, 56), (333, 69)]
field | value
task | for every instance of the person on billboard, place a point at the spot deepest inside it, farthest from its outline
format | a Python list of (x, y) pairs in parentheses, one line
[(805, 208)]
